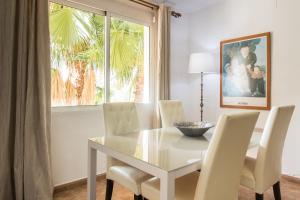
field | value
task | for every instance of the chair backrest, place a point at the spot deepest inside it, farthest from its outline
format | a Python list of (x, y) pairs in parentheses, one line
[(120, 118), (171, 111), (222, 165), (269, 157)]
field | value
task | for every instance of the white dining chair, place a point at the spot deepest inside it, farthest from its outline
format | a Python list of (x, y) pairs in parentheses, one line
[(221, 168), (122, 118), (264, 172), (171, 111)]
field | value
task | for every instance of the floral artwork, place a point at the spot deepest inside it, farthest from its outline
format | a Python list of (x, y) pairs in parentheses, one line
[(245, 72)]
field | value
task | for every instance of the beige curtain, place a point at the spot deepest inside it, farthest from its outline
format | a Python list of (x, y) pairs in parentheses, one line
[(25, 170), (163, 60), (163, 57)]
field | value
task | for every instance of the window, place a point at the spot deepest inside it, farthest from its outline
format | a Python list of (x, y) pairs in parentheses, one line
[(77, 56), (78, 71), (129, 61)]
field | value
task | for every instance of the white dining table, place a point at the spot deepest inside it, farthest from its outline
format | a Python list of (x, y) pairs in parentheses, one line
[(164, 153)]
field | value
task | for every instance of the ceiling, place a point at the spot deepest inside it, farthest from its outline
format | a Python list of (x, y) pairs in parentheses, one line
[(188, 6)]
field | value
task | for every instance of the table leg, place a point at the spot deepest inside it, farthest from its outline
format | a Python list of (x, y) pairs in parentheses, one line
[(167, 187), (92, 165)]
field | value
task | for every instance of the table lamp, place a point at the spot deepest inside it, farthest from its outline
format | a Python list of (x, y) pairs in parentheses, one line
[(201, 63)]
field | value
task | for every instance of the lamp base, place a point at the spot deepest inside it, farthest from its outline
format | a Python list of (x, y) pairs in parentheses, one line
[(201, 99)]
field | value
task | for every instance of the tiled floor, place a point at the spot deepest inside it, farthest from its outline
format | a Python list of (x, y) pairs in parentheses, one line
[(289, 190)]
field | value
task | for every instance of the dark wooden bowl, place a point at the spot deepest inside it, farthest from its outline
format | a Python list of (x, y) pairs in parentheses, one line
[(193, 129)]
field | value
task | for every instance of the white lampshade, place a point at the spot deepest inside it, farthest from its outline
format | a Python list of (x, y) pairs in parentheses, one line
[(201, 62)]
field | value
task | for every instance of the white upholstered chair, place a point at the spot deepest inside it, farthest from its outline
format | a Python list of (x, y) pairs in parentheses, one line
[(221, 168), (122, 118), (264, 172), (171, 111)]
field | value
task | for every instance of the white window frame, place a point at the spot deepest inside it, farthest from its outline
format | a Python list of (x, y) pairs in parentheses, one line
[(88, 7)]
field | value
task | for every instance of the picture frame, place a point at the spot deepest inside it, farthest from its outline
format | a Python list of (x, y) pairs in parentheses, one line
[(245, 72)]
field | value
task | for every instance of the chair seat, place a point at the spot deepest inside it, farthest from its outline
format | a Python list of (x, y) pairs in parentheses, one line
[(128, 176), (185, 187), (247, 177)]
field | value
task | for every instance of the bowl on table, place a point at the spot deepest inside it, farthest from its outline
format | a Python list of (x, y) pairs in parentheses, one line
[(193, 129)]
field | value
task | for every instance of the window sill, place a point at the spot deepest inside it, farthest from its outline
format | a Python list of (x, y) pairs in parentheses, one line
[(62, 109), (83, 108)]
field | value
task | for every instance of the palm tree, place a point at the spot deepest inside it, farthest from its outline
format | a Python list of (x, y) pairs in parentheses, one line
[(77, 39), (69, 34), (127, 47)]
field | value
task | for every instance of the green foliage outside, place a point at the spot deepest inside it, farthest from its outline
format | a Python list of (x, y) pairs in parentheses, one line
[(77, 43)]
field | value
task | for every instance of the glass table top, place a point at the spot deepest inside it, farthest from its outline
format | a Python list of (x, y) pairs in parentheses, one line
[(165, 148)]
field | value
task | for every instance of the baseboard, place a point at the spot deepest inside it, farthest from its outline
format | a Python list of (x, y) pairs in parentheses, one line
[(291, 178), (83, 181), (100, 177)]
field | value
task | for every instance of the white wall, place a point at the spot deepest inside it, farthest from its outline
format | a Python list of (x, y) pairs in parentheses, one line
[(234, 18), (179, 62), (71, 128)]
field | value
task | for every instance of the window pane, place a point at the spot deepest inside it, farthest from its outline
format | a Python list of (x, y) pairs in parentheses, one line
[(129, 61), (77, 56)]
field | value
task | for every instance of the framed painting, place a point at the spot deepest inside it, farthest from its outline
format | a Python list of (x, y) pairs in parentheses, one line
[(245, 70)]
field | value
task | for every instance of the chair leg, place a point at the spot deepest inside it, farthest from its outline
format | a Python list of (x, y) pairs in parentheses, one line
[(259, 196), (138, 197), (276, 191), (109, 189)]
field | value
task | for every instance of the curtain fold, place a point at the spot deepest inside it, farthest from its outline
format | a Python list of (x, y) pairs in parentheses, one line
[(25, 166), (163, 52), (163, 59)]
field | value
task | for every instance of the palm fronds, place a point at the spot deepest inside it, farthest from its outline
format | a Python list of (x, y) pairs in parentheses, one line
[(77, 43)]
